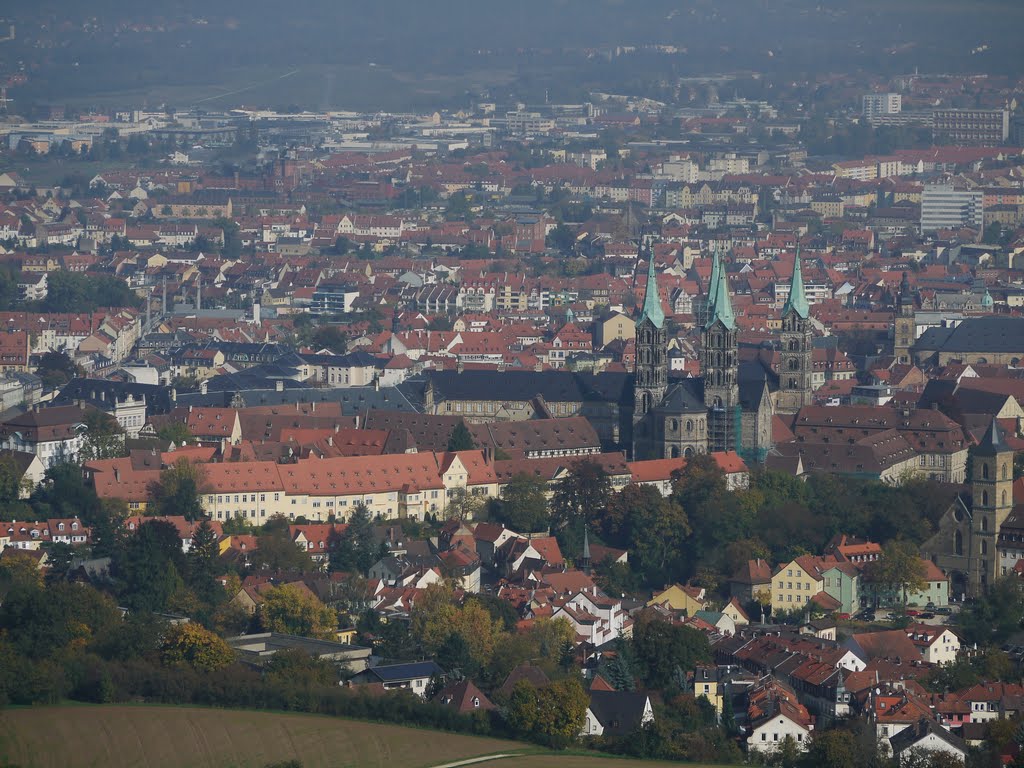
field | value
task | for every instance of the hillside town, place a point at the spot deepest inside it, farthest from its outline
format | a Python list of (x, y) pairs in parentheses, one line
[(681, 421)]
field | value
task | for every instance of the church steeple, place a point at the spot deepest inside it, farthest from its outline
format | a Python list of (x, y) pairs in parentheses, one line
[(721, 307), (652, 308), (721, 367), (797, 301), (650, 378), (796, 361), (991, 504)]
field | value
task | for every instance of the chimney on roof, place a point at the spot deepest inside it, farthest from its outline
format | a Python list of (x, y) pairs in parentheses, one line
[(190, 409), (203, 387), (279, 387)]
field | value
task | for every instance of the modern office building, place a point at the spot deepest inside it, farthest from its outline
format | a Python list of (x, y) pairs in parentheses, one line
[(945, 207), (973, 127)]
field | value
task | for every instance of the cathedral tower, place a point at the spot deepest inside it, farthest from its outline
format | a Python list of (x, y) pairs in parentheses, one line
[(903, 338), (651, 376), (992, 502), (721, 367), (796, 369)]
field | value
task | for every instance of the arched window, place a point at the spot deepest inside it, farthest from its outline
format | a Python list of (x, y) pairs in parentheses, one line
[(675, 425), (688, 452), (1003, 500), (984, 471), (794, 364), (958, 543), (689, 426), (984, 525), (1003, 471), (718, 378), (984, 498), (984, 547), (675, 451)]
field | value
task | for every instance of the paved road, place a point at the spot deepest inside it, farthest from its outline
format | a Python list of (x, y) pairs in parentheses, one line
[(473, 760)]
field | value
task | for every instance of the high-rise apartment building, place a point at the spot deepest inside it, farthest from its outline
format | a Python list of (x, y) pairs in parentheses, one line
[(882, 104)]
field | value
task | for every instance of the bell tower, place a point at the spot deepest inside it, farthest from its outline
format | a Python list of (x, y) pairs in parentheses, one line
[(904, 331), (651, 372), (991, 504), (796, 371), (721, 367)]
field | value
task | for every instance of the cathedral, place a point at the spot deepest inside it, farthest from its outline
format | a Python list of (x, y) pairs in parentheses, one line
[(730, 407)]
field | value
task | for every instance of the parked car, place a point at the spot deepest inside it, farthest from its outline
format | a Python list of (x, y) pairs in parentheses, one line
[(926, 615), (944, 611), (930, 606), (912, 612)]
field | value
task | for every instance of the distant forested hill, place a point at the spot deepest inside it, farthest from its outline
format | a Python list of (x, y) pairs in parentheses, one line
[(115, 46)]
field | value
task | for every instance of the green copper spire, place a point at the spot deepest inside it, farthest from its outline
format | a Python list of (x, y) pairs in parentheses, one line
[(652, 302), (797, 300), (713, 283), (721, 306)]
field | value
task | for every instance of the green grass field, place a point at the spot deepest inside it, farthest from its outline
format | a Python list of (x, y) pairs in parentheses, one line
[(193, 737)]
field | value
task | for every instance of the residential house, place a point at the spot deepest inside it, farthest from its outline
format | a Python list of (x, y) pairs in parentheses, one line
[(775, 714), (464, 697), (677, 597), (927, 736), (616, 713), (414, 676), (54, 435), (937, 645)]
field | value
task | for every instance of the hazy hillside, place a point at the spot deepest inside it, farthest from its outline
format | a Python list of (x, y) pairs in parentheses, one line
[(117, 46)]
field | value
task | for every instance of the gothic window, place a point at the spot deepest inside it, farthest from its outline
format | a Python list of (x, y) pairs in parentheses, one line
[(688, 452), (984, 547), (645, 402), (1003, 502), (675, 451), (792, 385), (984, 525), (718, 378), (717, 340), (984, 498), (689, 426), (1003, 471), (958, 543), (794, 345), (984, 471), (675, 425), (794, 364)]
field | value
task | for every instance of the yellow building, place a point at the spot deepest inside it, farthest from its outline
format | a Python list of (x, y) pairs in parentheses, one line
[(796, 582), (618, 326), (706, 684), (680, 598)]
